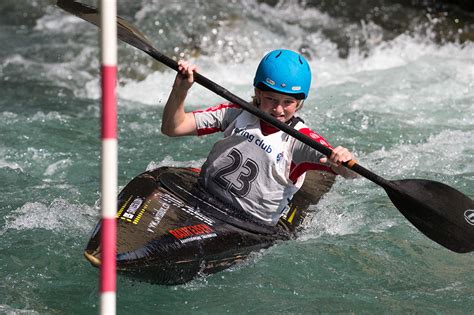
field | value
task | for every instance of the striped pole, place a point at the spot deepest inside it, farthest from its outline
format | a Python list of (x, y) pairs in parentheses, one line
[(108, 15)]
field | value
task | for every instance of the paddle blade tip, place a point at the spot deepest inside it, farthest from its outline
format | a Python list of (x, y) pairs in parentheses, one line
[(439, 211)]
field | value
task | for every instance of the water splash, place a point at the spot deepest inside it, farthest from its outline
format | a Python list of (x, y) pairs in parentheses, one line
[(59, 217)]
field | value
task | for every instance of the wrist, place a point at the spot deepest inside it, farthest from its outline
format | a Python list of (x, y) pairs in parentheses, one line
[(179, 90)]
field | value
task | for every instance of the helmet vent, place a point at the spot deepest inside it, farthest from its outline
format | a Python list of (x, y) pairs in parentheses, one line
[(279, 53), (299, 58)]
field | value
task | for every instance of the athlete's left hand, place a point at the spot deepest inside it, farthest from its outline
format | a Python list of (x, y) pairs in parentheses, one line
[(338, 156)]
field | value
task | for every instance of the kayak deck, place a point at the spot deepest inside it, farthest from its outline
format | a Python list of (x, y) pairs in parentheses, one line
[(169, 230)]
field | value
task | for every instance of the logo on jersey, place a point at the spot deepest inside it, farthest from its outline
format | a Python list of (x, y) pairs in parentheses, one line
[(279, 157), (252, 139)]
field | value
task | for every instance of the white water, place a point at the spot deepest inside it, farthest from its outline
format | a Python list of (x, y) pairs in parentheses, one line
[(404, 106)]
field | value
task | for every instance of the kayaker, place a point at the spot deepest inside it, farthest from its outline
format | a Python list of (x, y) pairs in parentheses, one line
[(255, 167)]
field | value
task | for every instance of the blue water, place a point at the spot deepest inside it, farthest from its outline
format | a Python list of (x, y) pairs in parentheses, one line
[(404, 105)]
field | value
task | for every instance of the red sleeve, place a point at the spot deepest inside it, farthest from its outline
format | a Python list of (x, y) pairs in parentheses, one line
[(315, 136), (307, 158)]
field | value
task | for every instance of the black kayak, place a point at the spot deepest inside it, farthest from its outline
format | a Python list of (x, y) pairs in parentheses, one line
[(169, 230)]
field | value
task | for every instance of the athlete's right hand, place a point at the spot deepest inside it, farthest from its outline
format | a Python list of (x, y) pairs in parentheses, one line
[(185, 77)]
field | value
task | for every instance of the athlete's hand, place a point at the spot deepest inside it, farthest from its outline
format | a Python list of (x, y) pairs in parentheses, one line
[(185, 77), (338, 156)]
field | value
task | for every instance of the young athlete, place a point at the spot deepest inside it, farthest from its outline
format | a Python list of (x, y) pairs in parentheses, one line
[(255, 167)]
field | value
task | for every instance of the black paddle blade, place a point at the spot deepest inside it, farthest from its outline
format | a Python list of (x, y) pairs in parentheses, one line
[(441, 212)]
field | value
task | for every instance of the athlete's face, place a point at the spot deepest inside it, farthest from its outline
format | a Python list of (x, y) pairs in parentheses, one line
[(280, 106)]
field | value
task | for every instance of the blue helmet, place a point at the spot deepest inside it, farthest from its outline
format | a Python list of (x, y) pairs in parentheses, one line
[(284, 71)]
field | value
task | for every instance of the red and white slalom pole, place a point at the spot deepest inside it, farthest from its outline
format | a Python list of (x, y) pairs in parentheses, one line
[(108, 14)]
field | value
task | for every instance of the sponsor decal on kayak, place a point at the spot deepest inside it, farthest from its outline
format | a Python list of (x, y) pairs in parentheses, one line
[(157, 217), (193, 233), (122, 208), (166, 198), (129, 211), (469, 216)]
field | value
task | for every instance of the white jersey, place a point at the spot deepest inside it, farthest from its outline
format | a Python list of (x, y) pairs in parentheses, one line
[(256, 167)]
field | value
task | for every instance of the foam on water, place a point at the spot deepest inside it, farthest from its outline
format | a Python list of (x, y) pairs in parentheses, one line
[(154, 90), (441, 84), (169, 161), (55, 21), (222, 51), (405, 49), (55, 217), (8, 310), (74, 74), (10, 165), (329, 70), (445, 153), (5, 163), (53, 116), (336, 214), (58, 166)]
